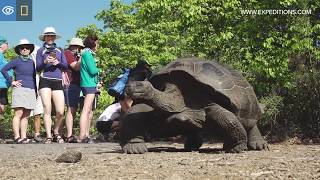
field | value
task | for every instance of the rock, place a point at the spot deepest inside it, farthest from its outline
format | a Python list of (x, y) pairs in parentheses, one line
[(69, 157)]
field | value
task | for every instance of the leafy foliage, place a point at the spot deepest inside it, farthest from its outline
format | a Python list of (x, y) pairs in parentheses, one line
[(258, 45), (303, 103)]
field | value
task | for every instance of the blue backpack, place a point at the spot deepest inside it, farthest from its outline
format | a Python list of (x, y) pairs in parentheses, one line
[(117, 87)]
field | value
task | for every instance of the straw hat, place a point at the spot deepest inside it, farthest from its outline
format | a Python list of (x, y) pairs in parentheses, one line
[(49, 31), (76, 42), (24, 42)]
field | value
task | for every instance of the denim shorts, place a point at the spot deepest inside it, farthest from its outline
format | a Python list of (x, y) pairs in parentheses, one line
[(72, 95), (88, 90)]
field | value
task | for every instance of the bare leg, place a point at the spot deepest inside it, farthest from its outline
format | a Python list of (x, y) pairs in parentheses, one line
[(1, 112), (71, 113), (24, 123), (85, 114), (18, 114), (37, 124), (58, 100), (45, 94), (89, 123), (2, 108)]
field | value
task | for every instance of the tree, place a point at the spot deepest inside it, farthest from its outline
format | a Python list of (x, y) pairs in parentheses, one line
[(161, 30)]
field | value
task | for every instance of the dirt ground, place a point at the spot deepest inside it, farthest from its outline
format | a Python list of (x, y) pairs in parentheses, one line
[(165, 161)]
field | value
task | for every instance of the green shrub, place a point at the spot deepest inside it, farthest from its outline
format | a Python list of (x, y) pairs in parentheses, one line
[(270, 125), (302, 104)]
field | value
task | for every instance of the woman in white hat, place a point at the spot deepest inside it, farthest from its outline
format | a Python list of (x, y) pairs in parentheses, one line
[(72, 92), (24, 89), (50, 62)]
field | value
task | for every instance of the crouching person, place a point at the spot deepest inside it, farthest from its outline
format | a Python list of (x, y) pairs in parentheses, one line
[(108, 122), (23, 94)]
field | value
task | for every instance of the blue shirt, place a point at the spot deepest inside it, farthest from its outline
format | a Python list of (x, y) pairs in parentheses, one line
[(3, 82), (49, 70), (24, 71)]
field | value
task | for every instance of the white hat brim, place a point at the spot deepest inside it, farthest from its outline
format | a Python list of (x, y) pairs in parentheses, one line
[(17, 48), (41, 37), (81, 45)]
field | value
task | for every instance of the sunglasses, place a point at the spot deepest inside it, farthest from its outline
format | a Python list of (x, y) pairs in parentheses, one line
[(25, 47)]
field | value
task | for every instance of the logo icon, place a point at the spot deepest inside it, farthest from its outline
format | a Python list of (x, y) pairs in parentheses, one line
[(24, 10), (8, 10)]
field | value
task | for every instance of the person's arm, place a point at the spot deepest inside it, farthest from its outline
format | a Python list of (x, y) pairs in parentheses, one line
[(40, 65), (76, 65), (7, 69), (63, 65), (72, 61), (90, 62)]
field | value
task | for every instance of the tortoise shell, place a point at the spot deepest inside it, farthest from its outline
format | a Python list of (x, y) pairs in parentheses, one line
[(224, 85)]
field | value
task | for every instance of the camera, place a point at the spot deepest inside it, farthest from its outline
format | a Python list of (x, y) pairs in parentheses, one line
[(77, 54), (51, 52)]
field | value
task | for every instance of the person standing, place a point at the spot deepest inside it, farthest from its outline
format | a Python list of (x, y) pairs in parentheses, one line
[(38, 111), (3, 82), (72, 92), (50, 62), (23, 93), (88, 84)]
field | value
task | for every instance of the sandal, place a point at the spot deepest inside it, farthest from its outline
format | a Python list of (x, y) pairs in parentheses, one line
[(71, 139), (25, 141), (47, 141), (57, 138), (18, 140)]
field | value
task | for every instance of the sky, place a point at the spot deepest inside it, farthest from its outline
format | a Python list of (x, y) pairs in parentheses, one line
[(65, 15)]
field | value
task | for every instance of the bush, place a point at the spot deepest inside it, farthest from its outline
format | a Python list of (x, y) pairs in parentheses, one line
[(302, 105), (270, 123)]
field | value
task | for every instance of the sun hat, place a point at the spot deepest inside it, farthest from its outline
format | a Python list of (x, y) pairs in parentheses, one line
[(76, 42), (21, 43), (3, 40), (49, 31)]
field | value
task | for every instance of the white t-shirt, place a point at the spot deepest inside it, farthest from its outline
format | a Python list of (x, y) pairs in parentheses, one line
[(111, 113), (33, 56)]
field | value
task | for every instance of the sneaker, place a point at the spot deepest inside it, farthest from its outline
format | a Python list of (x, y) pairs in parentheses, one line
[(37, 138)]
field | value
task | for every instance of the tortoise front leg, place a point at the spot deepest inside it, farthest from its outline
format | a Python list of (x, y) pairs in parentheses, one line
[(255, 140), (133, 127), (235, 136)]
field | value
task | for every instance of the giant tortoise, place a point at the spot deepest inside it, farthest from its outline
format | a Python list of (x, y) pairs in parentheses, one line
[(190, 96)]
